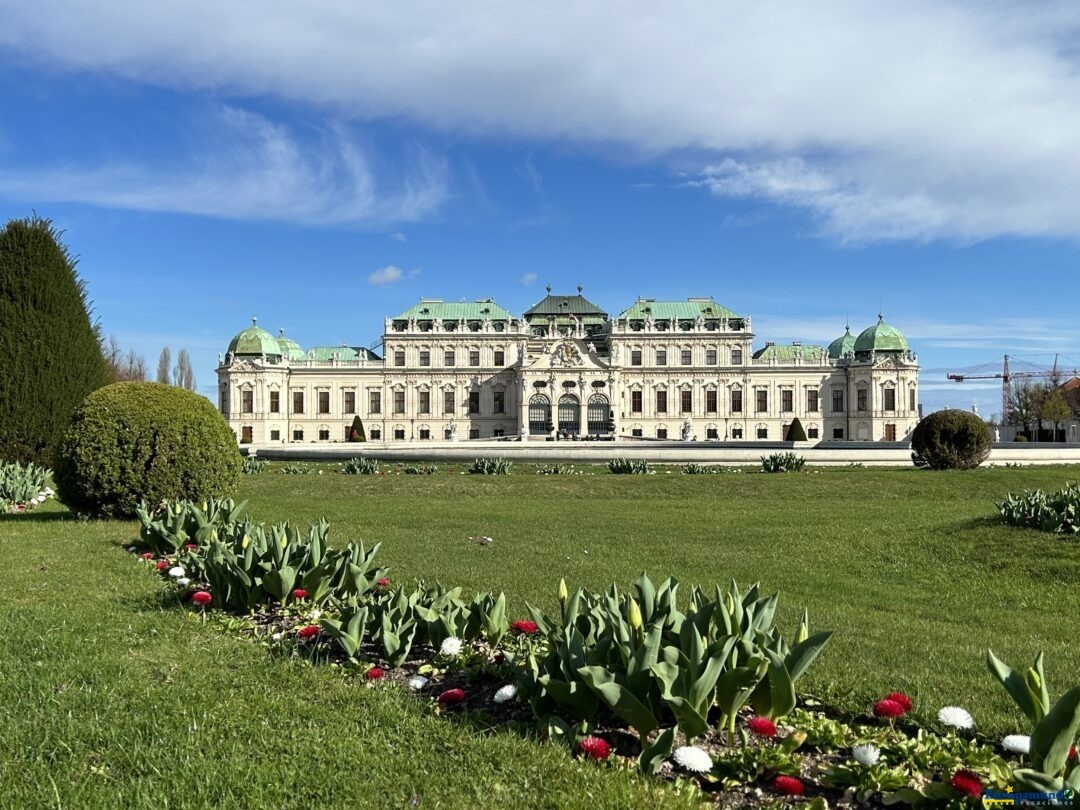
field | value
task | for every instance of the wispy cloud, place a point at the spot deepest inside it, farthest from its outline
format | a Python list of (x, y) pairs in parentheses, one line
[(248, 167), (398, 236), (391, 274), (529, 279)]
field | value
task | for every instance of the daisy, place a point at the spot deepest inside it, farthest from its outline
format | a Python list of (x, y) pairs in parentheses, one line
[(505, 693), (967, 782), (788, 785), (1017, 743), (888, 709), (177, 571), (451, 697), (866, 754), (417, 682), (594, 748), (693, 759), (761, 726), (955, 717), (451, 645), (183, 582)]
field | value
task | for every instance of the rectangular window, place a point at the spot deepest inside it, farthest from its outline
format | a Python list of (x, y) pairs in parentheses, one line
[(375, 402), (224, 400), (399, 402), (711, 433), (247, 401), (661, 357), (297, 401), (710, 357), (812, 401), (500, 357), (425, 402), (787, 400), (762, 401), (736, 433), (324, 402), (860, 399), (763, 433), (838, 433), (635, 402), (448, 358), (661, 433), (636, 433), (474, 433), (685, 357), (246, 434), (661, 401), (686, 401), (350, 401), (811, 433), (298, 435), (275, 402), (425, 433), (736, 400), (474, 402), (399, 434), (736, 357), (635, 357), (275, 435), (838, 400), (890, 432), (911, 399), (324, 435), (890, 399), (399, 357), (474, 358), (499, 405), (448, 401), (376, 434), (498, 433), (710, 401), (425, 358)]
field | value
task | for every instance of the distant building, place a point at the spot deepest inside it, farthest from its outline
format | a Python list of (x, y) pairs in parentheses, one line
[(657, 370)]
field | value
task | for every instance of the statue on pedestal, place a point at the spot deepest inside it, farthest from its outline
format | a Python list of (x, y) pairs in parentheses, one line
[(453, 431), (687, 430)]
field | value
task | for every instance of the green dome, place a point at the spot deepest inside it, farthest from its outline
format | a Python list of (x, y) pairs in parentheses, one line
[(843, 345), (881, 338), (290, 348), (254, 341)]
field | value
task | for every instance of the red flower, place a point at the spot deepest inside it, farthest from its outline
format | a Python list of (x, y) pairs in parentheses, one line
[(162, 565), (1072, 752), (888, 709), (594, 748), (146, 555), (762, 726), (374, 674), (201, 598), (308, 631), (524, 626), (190, 547), (902, 699), (299, 593), (451, 697), (967, 783), (383, 582), (788, 785)]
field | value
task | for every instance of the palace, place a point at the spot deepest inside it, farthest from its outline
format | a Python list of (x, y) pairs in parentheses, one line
[(566, 369)]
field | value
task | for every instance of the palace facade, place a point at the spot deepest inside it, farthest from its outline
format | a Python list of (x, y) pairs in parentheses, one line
[(657, 370)]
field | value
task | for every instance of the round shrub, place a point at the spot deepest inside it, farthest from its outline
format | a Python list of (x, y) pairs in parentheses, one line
[(1020, 437), (133, 441), (950, 440)]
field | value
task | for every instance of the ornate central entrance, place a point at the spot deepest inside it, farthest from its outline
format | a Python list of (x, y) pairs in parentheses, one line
[(539, 415), (569, 414)]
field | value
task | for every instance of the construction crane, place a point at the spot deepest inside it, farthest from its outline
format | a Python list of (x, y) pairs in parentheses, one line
[(1006, 376)]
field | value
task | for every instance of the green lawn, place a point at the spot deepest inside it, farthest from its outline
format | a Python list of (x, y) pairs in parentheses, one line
[(111, 698)]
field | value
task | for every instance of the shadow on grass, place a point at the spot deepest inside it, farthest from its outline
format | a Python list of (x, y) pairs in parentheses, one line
[(40, 517)]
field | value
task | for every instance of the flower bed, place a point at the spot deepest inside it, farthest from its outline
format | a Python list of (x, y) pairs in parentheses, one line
[(23, 487)]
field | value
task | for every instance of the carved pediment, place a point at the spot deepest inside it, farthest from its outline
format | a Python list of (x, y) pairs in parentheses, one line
[(244, 365)]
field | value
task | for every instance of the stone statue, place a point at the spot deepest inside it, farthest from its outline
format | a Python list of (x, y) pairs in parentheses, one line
[(687, 430), (453, 431)]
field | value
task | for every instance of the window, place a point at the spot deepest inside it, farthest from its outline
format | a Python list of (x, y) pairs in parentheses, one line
[(425, 402), (499, 402), (736, 433), (710, 357), (324, 402), (247, 401), (812, 401), (498, 433), (399, 402), (838, 400), (787, 400), (448, 401), (661, 401), (246, 434), (812, 433), (298, 435), (399, 434), (474, 433), (500, 357), (376, 434), (762, 401), (736, 400), (448, 357), (890, 399), (399, 357), (661, 357), (275, 402), (375, 402), (736, 357), (762, 433), (474, 357), (661, 433), (275, 435), (635, 402), (685, 357), (636, 433), (349, 401), (710, 401), (635, 357), (474, 402), (838, 433), (711, 433), (298, 401), (686, 401), (911, 399), (539, 415), (224, 399), (324, 434), (425, 433), (890, 432), (860, 399), (425, 358)]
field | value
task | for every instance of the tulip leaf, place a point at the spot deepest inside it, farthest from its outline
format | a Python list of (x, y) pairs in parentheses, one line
[(653, 755), (1015, 685), (1055, 733), (619, 699)]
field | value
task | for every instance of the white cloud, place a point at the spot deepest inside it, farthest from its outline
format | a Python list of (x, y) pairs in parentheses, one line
[(916, 120), (529, 279), (398, 236), (391, 274), (245, 166)]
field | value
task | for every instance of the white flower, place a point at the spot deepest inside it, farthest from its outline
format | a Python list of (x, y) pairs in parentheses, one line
[(177, 571), (451, 646), (132, 549), (1017, 743), (417, 682), (505, 693), (315, 614), (866, 754), (955, 717), (183, 582), (278, 636), (48, 491), (693, 759)]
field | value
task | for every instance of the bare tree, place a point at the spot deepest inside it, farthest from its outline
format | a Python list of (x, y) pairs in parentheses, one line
[(124, 367), (1025, 402), (185, 374), (134, 367), (164, 375)]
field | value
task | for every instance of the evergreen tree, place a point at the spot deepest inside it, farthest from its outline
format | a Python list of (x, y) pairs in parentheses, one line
[(795, 432), (50, 348), (356, 432), (164, 374)]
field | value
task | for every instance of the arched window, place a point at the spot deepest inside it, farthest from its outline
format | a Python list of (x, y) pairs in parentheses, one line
[(569, 414), (598, 410), (539, 415)]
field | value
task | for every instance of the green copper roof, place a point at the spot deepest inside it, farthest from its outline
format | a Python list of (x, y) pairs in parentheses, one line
[(255, 341), (789, 354), (430, 309), (561, 307), (843, 345), (687, 310), (326, 353), (289, 347), (881, 338)]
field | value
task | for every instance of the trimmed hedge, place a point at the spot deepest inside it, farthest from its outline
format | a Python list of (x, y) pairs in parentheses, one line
[(135, 441), (950, 440)]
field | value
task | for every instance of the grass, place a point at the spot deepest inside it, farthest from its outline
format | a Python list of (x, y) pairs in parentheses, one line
[(113, 697)]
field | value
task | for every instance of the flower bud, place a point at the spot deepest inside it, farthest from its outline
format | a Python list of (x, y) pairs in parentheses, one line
[(635, 614), (564, 593), (1033, 679)]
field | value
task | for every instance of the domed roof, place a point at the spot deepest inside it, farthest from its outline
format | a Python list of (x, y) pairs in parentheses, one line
[(881, 338), (843, 345), (255, 341), (289, 347)]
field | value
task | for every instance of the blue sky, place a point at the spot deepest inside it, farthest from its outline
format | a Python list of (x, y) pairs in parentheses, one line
[(323, 167)]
